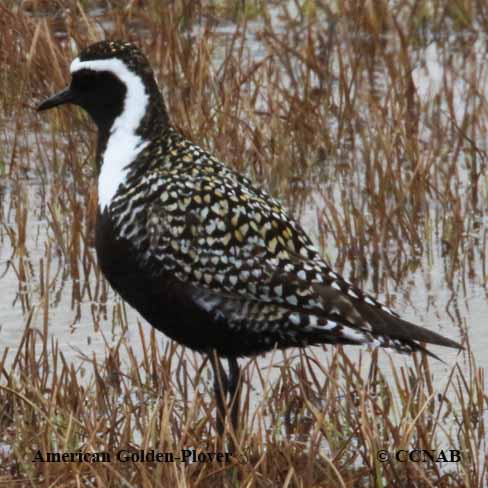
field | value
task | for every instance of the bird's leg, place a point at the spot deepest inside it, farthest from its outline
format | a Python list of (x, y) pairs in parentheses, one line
[(234, 392), (221, 388)]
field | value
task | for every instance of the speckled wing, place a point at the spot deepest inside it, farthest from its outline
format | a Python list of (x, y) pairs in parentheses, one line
[(247, 264), (251, 266)]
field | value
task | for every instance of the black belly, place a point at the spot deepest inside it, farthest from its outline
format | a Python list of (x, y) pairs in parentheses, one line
[(166, 303)]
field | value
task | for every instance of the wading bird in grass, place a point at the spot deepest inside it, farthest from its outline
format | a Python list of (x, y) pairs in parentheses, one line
[(204, 255)]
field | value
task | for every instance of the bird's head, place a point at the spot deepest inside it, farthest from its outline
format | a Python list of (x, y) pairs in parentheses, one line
[(112, 81)]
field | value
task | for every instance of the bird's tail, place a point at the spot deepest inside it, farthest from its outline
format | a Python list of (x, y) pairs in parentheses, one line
[(361, 313)]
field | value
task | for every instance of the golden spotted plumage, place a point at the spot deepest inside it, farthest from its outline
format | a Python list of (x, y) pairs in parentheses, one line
[(250, 265)]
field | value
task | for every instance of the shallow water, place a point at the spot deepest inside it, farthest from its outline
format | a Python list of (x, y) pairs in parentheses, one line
[(424, 294), (423, 299)]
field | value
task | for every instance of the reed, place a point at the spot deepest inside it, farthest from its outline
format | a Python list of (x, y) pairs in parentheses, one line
[(325, 105)]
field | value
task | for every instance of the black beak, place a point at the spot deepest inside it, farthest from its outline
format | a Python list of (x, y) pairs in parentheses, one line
[(65, 96)]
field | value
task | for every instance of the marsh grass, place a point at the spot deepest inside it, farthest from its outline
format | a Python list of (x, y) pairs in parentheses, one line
[(321, 103)]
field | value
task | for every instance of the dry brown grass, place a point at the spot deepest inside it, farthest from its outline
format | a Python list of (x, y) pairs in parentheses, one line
[(327, 111)]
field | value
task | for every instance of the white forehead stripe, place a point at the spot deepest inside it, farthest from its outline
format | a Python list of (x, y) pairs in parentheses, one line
[(123, 144)]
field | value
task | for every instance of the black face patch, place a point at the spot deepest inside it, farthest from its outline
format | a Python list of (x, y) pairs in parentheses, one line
[(100, 93), (85, 80)]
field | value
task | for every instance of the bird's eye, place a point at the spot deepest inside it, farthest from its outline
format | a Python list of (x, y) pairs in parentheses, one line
[(84, 80)]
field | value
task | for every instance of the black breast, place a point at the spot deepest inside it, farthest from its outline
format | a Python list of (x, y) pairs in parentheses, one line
[(165, 302)]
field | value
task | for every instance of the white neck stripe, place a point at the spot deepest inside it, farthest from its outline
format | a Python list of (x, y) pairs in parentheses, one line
[(123, 144)]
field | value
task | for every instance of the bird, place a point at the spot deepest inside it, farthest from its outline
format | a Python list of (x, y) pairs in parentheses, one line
[(201, 252)]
